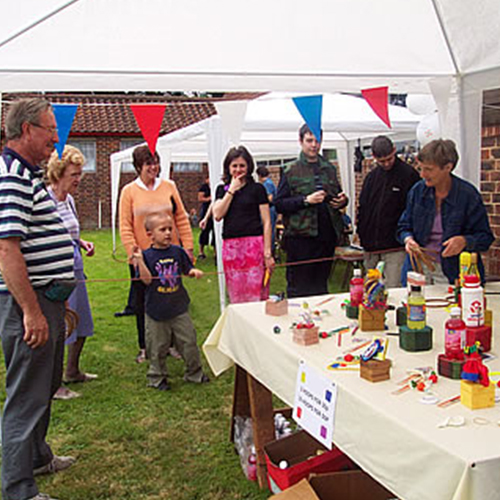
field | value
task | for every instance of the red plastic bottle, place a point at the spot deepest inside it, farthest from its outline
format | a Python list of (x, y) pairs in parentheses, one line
[(356, 288), (455, 335)]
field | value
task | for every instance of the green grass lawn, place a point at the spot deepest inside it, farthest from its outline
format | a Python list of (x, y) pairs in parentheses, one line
[(137, 443)]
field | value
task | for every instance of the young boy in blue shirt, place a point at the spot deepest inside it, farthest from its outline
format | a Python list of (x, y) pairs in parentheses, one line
[(167, 319)]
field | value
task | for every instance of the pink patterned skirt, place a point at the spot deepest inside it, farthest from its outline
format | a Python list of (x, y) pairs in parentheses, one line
[(244, 269)]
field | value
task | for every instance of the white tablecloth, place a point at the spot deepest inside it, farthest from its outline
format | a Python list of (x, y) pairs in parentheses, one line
[(396, 439)]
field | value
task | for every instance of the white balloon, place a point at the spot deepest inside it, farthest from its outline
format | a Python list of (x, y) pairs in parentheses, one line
[(421, 104), (428, 129)]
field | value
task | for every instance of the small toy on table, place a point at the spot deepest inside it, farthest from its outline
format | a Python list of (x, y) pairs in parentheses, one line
[(451, 362), (372, 309), (415, 335), (476, 390), (374, 366), (305, 332), (277, 305), (473, 313), (356, 291)]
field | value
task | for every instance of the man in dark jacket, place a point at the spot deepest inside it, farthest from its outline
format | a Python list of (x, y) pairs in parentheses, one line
[(309, 197), (381, 203)]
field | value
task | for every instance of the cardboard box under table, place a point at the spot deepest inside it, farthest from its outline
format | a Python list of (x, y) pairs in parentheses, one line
[(348, 485), (303, 455)]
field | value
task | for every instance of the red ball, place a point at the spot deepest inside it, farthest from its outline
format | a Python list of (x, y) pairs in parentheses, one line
[(348, 357)]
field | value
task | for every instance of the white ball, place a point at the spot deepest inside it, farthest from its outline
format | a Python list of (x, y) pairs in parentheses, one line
[(283, 465), (428, 129), (421, 104)]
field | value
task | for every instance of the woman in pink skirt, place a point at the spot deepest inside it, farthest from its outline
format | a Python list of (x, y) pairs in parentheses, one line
[(246, 250)]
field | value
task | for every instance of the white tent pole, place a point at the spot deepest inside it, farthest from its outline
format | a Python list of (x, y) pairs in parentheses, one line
[(217, 145)]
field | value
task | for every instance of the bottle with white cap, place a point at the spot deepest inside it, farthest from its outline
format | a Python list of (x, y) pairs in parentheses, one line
[(472, 301)]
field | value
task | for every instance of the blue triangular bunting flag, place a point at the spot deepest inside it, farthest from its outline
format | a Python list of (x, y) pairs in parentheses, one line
[(64, 114), (311, 109)]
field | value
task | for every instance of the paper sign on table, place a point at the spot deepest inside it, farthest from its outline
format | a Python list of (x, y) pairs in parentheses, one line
[(314, 407)]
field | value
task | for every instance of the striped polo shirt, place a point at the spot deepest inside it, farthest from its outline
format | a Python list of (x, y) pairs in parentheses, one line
[(29, 213)]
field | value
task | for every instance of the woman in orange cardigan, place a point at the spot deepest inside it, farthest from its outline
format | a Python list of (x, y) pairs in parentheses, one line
[(145, 195)]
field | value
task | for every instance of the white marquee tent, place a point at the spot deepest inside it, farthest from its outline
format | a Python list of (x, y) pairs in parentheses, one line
[(314, 47)]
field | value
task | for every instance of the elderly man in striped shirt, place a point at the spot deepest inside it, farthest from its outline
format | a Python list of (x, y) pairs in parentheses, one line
[(36, 275)]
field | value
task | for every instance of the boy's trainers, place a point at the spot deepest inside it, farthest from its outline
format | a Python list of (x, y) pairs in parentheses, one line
[(57, 464), (164, 386), (42, 496)]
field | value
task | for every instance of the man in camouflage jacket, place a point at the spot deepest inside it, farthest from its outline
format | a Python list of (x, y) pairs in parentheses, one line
[(310, 198)]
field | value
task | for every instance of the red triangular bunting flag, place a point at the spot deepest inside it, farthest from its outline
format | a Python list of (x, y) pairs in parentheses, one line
[(149, 119), (378, 99)]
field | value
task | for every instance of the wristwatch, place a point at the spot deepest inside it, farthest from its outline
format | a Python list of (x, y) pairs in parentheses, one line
[(306, 203)]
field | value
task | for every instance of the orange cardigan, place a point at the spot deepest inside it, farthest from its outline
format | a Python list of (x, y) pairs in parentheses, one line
[(136, 203)]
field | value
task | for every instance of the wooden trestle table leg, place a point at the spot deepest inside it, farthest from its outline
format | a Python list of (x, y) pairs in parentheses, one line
[(252, 399)]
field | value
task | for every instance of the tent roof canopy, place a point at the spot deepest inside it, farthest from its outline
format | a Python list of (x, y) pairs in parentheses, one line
[(319, 46)]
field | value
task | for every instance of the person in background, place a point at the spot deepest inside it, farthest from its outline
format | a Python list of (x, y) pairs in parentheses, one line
[(148, 194), (381, 202), (266, 181), (64, 176), (310, 198), (206, 220), (36, 274), (167, 318), (246, 251), (444, 215)]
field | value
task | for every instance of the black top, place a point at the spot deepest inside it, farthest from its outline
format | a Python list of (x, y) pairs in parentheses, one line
[(166, 297), (381, 203), (205, 189), (243, 215)]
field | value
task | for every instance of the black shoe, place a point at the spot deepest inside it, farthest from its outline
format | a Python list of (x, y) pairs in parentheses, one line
[(128, 311), (164, 386)]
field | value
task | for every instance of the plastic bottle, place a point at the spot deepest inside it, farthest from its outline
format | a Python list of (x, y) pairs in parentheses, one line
[(472, 301), (356, 288), (454, 335), (473, 269), (464, 266), (416, 309)]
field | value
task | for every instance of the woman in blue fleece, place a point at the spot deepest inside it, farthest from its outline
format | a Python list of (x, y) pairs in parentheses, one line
[(444, 214)]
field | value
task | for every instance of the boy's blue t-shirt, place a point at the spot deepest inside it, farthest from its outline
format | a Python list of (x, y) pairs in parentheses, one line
[(166, 296)]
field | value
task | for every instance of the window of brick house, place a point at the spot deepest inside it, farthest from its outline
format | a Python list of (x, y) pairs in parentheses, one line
[(88, 148), (125, 144), (187, 167)]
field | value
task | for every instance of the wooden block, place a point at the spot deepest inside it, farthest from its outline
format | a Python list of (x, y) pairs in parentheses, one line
[(476, 396), (352, 312), (276, 307), (375, 370), (481, 334), (306, 336), (371, 320), (450, 368), (488, 317), (401, 316), (415, 340)]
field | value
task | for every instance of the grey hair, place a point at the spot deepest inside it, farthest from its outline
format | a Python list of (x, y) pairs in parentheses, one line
[(24, 110)]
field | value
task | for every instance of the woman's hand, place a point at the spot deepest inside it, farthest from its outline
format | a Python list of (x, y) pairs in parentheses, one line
[(237, 183), (454, 246), (411, 246), (136, 256), (88, 247), (269, 262), (203, 223)]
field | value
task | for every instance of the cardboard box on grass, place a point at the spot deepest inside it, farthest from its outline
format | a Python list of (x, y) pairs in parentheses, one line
[(300, 450), (348, 485)]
